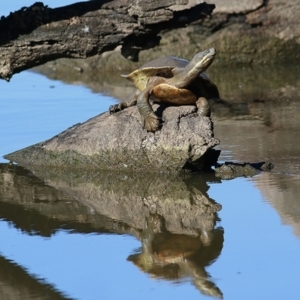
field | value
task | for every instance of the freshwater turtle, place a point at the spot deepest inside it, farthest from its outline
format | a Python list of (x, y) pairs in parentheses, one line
[(174, 81)]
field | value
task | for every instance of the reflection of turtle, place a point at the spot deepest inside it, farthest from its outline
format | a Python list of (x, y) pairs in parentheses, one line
[(171, 80), (177, 256)]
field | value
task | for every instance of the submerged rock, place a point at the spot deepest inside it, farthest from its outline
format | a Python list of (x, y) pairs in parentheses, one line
[(231, 170), (119, 142)]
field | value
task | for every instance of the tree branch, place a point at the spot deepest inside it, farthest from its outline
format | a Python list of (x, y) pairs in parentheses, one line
[(37, 34)]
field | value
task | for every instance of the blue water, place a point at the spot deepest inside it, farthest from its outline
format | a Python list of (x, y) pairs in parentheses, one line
[(260, 257), (34, 108)]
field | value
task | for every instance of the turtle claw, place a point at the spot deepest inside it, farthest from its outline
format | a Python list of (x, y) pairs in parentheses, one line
[(151, 123)]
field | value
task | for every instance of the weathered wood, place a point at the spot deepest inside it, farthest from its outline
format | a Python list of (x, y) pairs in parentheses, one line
[(37, 34)]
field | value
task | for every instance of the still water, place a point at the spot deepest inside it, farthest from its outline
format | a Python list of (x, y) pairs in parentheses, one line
[(84, 235)]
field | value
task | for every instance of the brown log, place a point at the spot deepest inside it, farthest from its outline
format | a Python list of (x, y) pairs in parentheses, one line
[(37, 34)]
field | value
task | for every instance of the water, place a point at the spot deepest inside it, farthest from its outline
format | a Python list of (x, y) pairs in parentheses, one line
[(33, 109), (68, 235)]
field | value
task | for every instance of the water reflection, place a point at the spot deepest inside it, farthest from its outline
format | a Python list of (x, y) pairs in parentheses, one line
[(239, 84), (17, 284), (175, 256), (252, 141), (172, 217), (282, 193)]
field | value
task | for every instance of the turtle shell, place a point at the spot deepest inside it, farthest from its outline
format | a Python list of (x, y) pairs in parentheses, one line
[(162, 67)]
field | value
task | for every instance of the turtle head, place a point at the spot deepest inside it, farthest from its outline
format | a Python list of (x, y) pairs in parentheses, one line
[(200, 62)]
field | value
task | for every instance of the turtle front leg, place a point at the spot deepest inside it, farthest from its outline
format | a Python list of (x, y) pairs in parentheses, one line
[(120, 106), (149, 118), (203, 107)]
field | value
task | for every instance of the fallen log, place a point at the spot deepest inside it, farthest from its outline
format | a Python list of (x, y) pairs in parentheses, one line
[(37, 34)]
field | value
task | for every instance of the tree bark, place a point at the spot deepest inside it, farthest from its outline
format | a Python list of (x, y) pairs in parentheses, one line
[(37, 34)]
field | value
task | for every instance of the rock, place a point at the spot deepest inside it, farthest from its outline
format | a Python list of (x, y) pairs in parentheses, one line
[(236, 6), (119, 142), (279, 19), (231, 170), (254, 33)]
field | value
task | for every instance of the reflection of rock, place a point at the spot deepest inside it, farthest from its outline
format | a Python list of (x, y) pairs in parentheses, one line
[(258, 85), (125, 198), (118, 142), (172, 216), (36, 208), (266, 94), (17, 284), (182, 202), (240, 84), (283, 193), (244, 140)]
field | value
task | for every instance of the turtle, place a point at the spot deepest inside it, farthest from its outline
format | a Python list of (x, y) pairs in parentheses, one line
[(174, 81)]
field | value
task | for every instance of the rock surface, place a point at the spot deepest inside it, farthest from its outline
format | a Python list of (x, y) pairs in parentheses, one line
[(118, 142), (231, 170), (256, 34), (236, 6)]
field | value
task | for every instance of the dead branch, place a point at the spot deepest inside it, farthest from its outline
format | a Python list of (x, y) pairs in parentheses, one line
[(37, 34)]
